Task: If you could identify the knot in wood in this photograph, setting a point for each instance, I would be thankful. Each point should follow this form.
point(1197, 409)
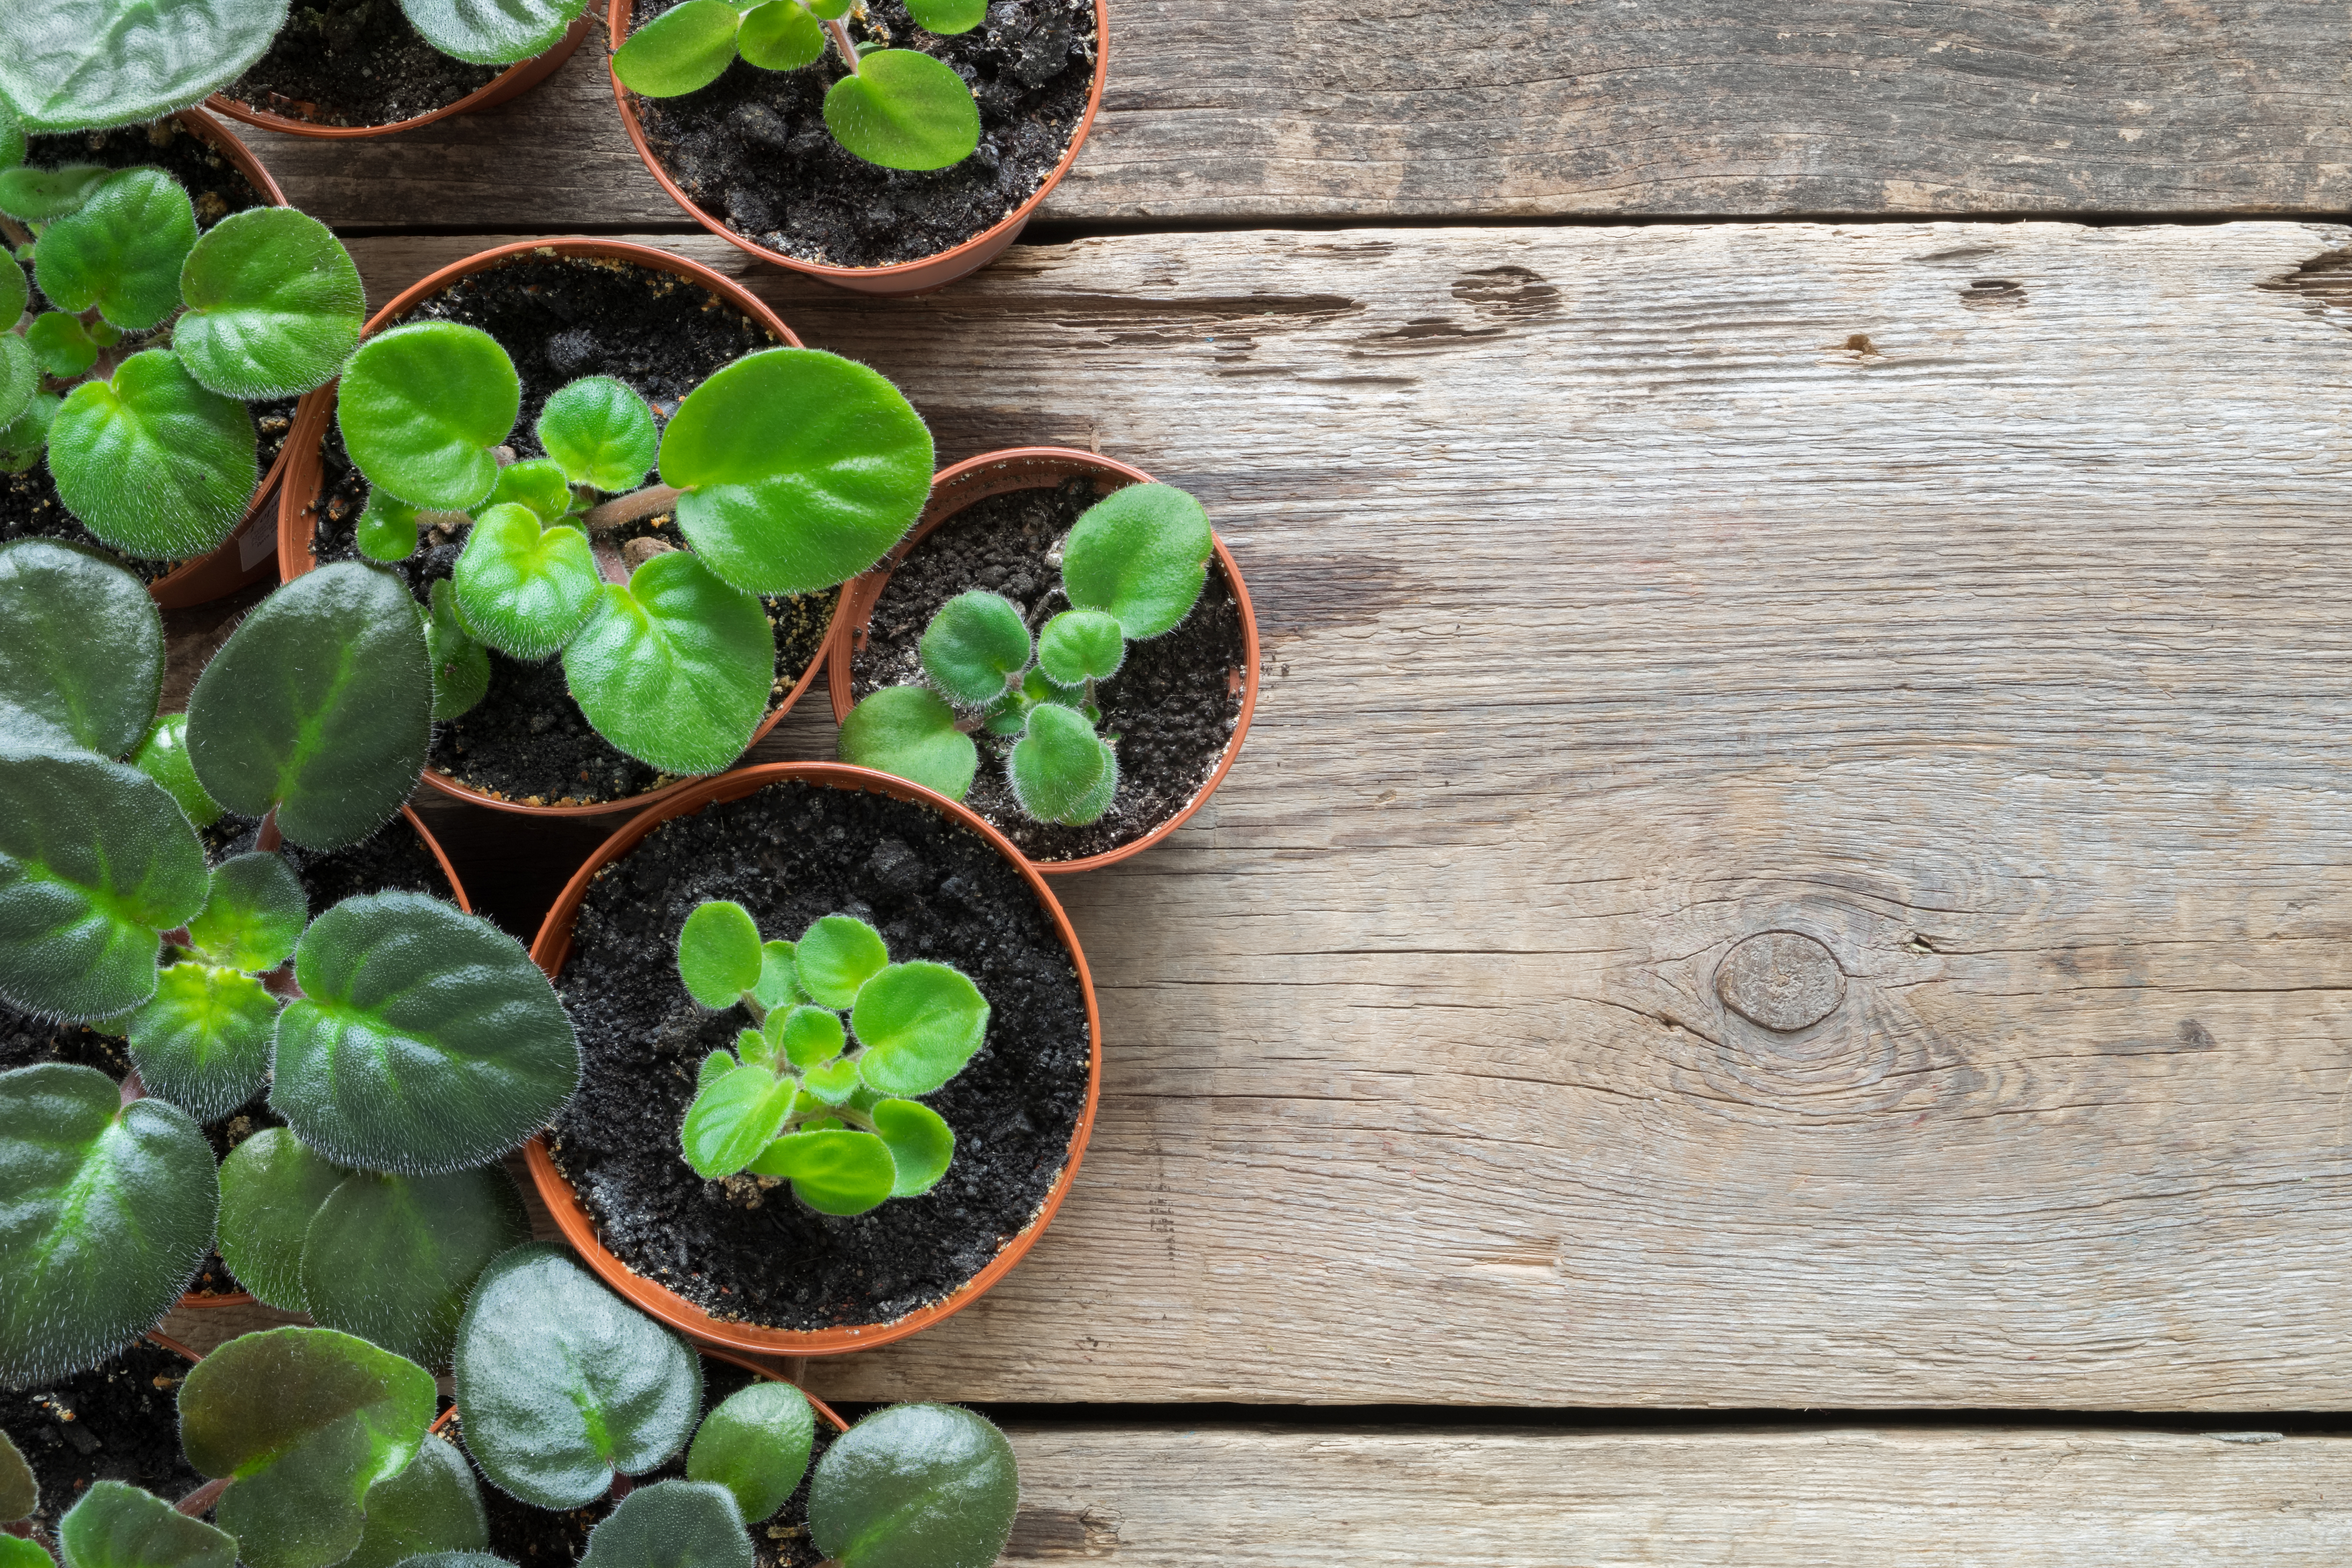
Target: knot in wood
point(1783, 980)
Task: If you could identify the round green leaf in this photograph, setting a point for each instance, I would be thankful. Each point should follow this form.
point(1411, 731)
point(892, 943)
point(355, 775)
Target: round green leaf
point(837, 954)
point(600, 432)
point(387, 528)
point(733, 1117)
point(120, 250)
point(254, 914)
point(80, 644)
point(911, 732)
point(271, 1188)
point(461, 666)
point(562, 1383)
point(491, 32)
point(69, 65)
point(116, 1525)
point(1057, 766)
point(537, 483)
point(756, 1444)
point(947, 16)
point(319, 704)
point(1089, 807)
point(834, 1083)
point(390, 1258)
point(37, 195)
point(105, 1211)
point(671, 1524)
point(163, 756)
point(922, 1145)
point(802, 468)
point(1141, 554)
point(306, 1420)
point(25, 438)
point(202, 1041)
point(781, 36)
point(836, 1171)
point(676, 668)
point(20, 375)
point(903, 110)
point(808, 1037)
point(1080, 645)
point(154, 463)
point(915, 1486)
point(432, 1506)
point(274, 305)
point(96, 862)
point(778, 981)
point(15, 1551)
point(683, 49)
point(920, 1024)
point(420, 408)
point(64, 348)
point(718, 955)
point(425, 1039)
point(753, 1046)
point(20, 1492)
point(525, 588)
point(974, 646)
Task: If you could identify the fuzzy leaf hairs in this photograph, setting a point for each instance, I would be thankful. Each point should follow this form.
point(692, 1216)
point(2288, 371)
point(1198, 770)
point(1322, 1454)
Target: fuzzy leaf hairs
point(1132, 568)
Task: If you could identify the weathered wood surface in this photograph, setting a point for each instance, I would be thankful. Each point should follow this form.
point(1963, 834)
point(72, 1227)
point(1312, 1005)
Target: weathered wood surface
point(1238, 110)
point(1969, 599)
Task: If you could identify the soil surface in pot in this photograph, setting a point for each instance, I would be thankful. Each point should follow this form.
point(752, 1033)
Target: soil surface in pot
point(119, 1421)
point(354, 62)
point(559, 319)
point(1173, 704)
point(29, 508)
point(752, 151)
point(744, 1247)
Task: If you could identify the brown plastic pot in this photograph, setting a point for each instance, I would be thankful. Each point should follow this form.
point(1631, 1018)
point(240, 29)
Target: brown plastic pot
point(899, 277)
point(512, 82)
point(1030, 468)
point(553, 945)
point(297, 501)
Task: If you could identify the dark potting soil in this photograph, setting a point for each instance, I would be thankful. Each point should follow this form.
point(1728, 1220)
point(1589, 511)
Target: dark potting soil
point(559, 319)
point(354, 62)
point(752, 151)
point(29, 508)
point(119, 1421)
point(1173, 706)
point(744, 1247)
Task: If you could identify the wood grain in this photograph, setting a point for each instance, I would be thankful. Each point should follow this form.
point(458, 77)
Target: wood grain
point(1239, 112)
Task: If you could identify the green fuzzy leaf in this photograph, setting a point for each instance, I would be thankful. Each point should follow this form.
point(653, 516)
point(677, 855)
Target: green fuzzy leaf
point(803, 468)
point(387, 528)
point(425, 1039)
point(254, 914)
point(903, 110)
point(81, 644)
point(920, 1024)
point(1079, 646)
point(11, 136)
point(25, 439)
point(455, 1560)
point(974, 647)
point(20, 376)
point(922, 1145)
point(600, 432)
point(96, 862)
point(116, 1525)
point(836, 1171)
point(732, 1119)
point(37, 195)
point(64, 348)
point(105, 1211)
point(715, 1066)
point(461, 666)
point(778, 981)
point(71, 65)
point(947, 17)
point(153, 462)
point(537, 483)
point(671, 1524)
point(306, 1420)
point(781, 36)
point(676, 668)
point(755, 1444)
point(808, 1037)
point(1090, 807)
point(390, 1258)
point(1141, 555)
point(271, 1188)
point(1058, 768)
point(915, 1486)
point(15, 1551)
point(718, 955)
point(911, 732)
point(432, 1506)
point(525, 588)
point(274, 305)
point(15, 293)
point(421, 407)
point(829, 10)
point(202, 1041)
point(120, 250)
point(20, 1493)
point(680, 51)
point(753, 1047)
point(492, 32)
point(834, 1083)
point(562, 1383)
point(835, 956)
point(321, 704)
point(163, 756)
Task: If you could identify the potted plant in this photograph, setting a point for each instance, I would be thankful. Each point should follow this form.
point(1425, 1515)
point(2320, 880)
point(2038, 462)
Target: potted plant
point(743, 1261)
point(1089, 708)
point(889, 148)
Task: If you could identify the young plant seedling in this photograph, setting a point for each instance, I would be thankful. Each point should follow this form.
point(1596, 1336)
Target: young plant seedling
point(788, 471)
point(798, 1098)
point(902, 108)
point(1132, 568)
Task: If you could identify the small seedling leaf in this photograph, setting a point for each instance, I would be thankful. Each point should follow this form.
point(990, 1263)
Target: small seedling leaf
point(754, 1047)
point(718, 955)
point(390, 1258)
point(20, 1493)
point(732, 1119)
point(922, 1144)
point(432, 1506)
point(1141, 554)
point(779, 983)
point(947, 17)
point(37, 195)
point(911, 732)
point(64, 348)
point(680, 51)
point(537, 483)
point(835, 956)
point(491, 32)
point(920, 1024)
point(80, 644)
point(715, 1066)
point(808, 1037)
point(903, 110)
point(781, 36)
point(1081, 645)
point(675, 669)
point(117, 1525)
point(755, 1444)
point(120, 250)
point(671, 1524)
point(974, 647)
point(271, 1189)
point(202, 1041)
point(833, 1082)
point(153, 462)
point(915, 1486)
point(523, 587)
point(274, 305)
point(69, 65)
point(163, 756)
point(387, 528)
point(1058, 766)
point(421, 407)
point(254, 914)
point(461, 666)
point(835, 1171)
point(600, 432)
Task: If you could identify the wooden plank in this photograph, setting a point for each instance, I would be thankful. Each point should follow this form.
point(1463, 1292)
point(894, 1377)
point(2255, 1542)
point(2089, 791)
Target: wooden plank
point(1235, 112)
point(1967, 598)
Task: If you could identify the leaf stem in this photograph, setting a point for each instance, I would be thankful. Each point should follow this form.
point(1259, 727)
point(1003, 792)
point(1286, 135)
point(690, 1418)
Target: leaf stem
point(267, 837)
point(281, 982)
point(133, 1087)
point(195, 1504)
point(840, 32)
point(16, 232)
point(622, 1486)
point(649, 502)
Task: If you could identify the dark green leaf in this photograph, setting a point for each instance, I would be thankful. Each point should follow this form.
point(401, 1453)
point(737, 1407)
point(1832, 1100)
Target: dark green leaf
point(15, 293)
point(837, 955)
point(756, 1444)
point(1058, 768)
point(20, 376)
point(683, 49)
point(36, 195)
point(903, 110)
point(676, 668)
point(732, 1118)
point(911, 732)
point(523, 587)
point(432, 1506)
point(920, 1024)
point(11, 136)
point(601, 433)
point(461, 666)
point(116, 1525)
point(781, 36)
point(68, 65)
point(947, 16)
point(274, 305)
point(420, 408)
point(1079, 646)
point(718, 955)
point(671, 1524)
point(834, 1172)
point(922, 1145)
point(390, 1257)
point(120, 250)
point(974, 646)
point(387, 528)
point(57, 340)
point(163, 756)
point(152, 461)
point(539, 484)
point(915, 1486)
point(202, 1041)
point(80, 643)
point(1141, 554)
point(26, 437)
point(254, 914)
point(271, 1189)
point(491, 32)
point(20, 1494)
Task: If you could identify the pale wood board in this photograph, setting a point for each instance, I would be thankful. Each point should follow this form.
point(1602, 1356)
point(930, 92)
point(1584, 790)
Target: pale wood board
point(1236, 111)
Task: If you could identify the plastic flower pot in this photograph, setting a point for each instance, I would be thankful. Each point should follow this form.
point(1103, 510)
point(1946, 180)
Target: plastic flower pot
point(1029, 468)
point(553, 946)
point(899, 277)
point(512, 82)
point(298, 499)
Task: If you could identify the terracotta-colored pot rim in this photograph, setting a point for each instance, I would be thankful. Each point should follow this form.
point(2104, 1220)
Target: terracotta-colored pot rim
point(553, 946)
point(825, 1413)
point(158, 1337)
point(299, 498)
point(860, 595)
point(989, 243)
point(512, 82)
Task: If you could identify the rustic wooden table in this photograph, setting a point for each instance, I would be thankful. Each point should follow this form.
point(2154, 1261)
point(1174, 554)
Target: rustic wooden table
point(1871, 470)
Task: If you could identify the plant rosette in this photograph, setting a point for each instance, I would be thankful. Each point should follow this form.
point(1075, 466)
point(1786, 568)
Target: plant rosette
point(555, 732)
point(755, 1260)
point(1179, 696)
point(889, 147)
point(297, 109)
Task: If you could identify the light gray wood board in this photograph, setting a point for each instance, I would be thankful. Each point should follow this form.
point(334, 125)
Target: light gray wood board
point(1617, 611)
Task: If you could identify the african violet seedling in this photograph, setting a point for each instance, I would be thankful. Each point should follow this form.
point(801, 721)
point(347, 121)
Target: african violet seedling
point(799, 1099)
point(1132, 568)
point(902, 108)
point(788, 471)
